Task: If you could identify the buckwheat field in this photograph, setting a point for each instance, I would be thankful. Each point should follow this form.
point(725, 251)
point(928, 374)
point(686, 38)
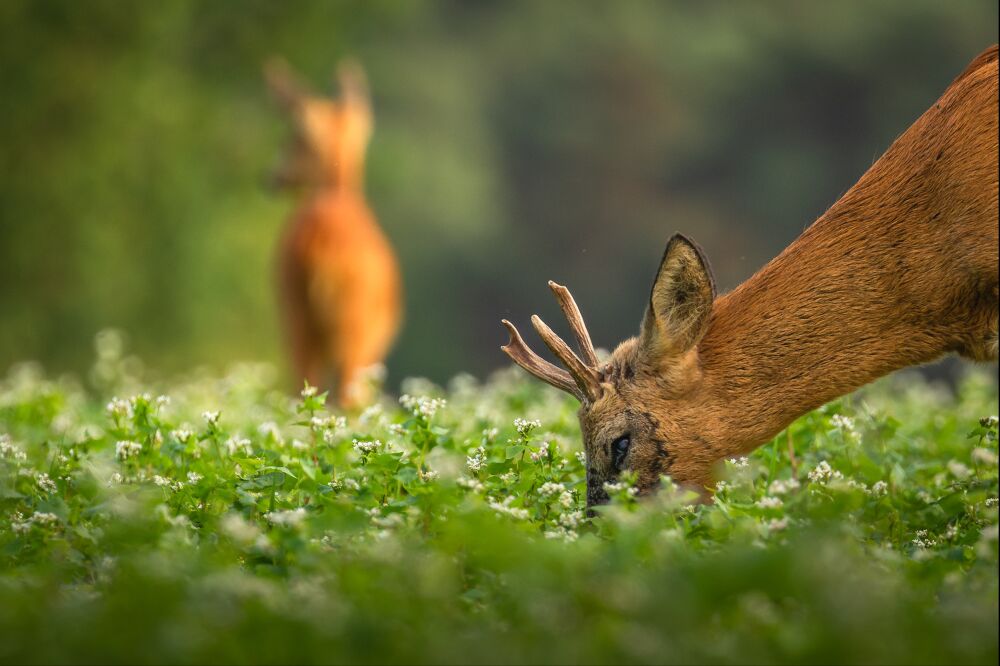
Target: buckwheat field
point(215, 518)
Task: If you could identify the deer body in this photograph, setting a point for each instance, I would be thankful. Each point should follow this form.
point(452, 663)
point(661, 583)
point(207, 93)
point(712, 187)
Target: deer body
point(338, 275)
point(901, 270)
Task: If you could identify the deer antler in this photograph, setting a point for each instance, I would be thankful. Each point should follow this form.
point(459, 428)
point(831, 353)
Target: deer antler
point(575, 320)
point(521, 354)
point(582, 380)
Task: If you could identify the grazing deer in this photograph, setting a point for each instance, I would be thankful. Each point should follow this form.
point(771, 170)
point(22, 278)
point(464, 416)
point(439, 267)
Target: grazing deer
point(901, 270)
point(339, 279)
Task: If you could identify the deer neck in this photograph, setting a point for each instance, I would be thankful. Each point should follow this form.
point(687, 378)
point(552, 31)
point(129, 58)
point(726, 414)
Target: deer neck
point(828, 315)
point(346, 175)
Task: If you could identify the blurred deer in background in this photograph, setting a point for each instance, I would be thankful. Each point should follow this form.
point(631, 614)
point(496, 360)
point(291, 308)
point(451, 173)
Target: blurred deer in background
point(339, 280)
point(901, 270)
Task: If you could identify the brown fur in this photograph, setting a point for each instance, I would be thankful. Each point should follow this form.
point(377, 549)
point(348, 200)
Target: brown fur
point(898, 272)
point(338, 276)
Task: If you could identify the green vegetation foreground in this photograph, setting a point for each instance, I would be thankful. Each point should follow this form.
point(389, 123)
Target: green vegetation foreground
point(216, 519)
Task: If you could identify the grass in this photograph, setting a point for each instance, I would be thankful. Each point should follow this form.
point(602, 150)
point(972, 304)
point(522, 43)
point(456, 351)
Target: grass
point(228, 522)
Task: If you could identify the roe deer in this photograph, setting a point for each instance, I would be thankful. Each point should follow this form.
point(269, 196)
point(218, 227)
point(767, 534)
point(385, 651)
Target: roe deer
point(900, 270)
point(339, 279)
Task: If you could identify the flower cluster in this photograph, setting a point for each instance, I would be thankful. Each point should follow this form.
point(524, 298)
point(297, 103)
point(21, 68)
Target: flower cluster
point(524, 426)
point(422, 405)
point(125, 449)
point(823, 473)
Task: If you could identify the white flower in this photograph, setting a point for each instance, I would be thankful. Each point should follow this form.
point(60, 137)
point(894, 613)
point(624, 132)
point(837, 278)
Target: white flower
point(541, 454)
point(474, 485)
point(477, 460)
point(422, 406)
point(508, 477)
point(320, 422)
point(289, 518)
point(45, 483)
point(581, 457)
point(125, 449)
point(739, 463)
point(858, 485)
point(844, 423)
point(566, 499)
point(269, 428)
point(365, 447)
point(548, 488)
point(10, 450)
point(235, 444)
point(181, 434)
point(824, 473)
point(120, 408)
point(922, 541)
point(194, 477)
point(504, 508)
point(991, 501)
point(988, 422)
point(571, 519)
point(351, 484)
point(490, 434)
point(162, 401)
point(371, 413)
point(239, 529)
point(308, 391)
point(769, 502)
point(879, 488)
point(783, 487)
point(524, 426)
point(777, 524)
point(211, 418)
point(614, 488)
point(982, 456)
point(161, 481)
point(428, 475)
point(958, 470)
point(38, 518)
point(561, 533)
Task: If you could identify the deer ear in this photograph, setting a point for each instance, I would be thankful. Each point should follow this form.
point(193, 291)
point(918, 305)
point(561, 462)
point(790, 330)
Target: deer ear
point(680, 303)
point(354, 85)
point(283, 82)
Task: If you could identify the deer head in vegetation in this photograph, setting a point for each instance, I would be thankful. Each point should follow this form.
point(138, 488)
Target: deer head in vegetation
point(644, 410)
point(901, 270)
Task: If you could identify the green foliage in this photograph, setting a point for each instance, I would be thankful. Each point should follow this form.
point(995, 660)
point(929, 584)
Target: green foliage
point(223, 521)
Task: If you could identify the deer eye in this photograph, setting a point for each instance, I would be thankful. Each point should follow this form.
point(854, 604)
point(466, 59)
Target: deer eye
point(619, 449)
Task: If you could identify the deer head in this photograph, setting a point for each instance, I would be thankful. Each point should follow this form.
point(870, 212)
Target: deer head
point(901, 270)
point(641, 411)
point(329, 135)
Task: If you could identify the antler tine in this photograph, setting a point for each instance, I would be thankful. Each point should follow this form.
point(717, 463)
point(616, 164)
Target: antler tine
point(585, 376)
point(521, 354)
point(576, 324)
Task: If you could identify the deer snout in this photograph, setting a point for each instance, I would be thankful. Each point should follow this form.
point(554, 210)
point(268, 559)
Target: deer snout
point(596, 494)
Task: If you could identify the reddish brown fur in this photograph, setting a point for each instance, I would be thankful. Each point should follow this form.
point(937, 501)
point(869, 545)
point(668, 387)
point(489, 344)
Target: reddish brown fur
point(338, 276)
point(898, 272)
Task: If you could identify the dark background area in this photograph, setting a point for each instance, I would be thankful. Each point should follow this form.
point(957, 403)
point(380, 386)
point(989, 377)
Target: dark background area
point(515, 142)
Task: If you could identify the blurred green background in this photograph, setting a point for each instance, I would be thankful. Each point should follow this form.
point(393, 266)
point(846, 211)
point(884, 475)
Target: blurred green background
point(515, 142)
